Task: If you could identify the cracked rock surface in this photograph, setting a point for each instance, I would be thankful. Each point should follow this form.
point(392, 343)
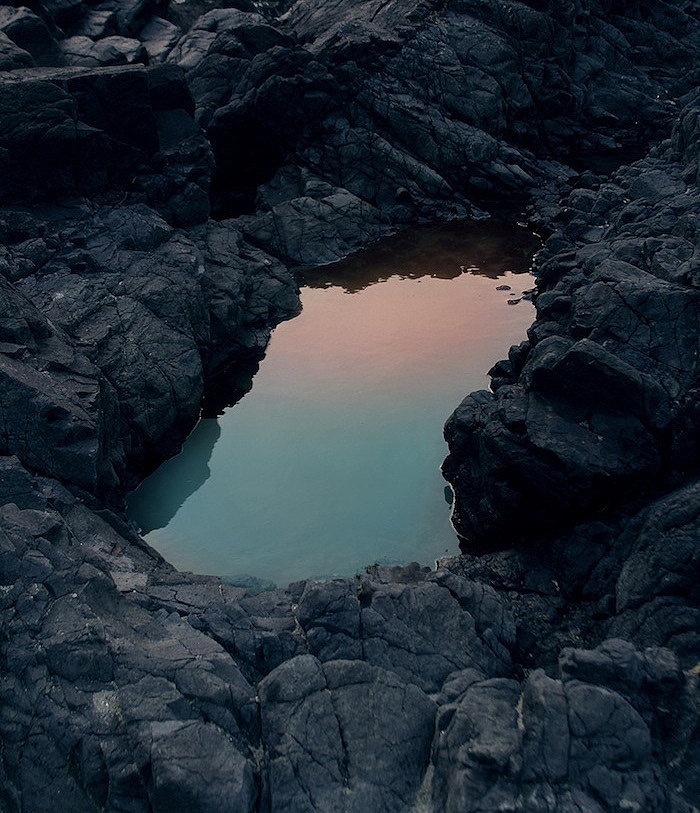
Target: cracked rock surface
point(128, 685)
point(556, 670)
point(600, 405)
point(586, 450)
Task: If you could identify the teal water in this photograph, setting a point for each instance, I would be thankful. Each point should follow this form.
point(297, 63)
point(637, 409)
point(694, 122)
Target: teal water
point(332, 460)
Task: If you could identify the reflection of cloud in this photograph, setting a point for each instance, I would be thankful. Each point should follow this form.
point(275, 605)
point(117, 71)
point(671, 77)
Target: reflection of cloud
point(486, 248)
point(156, 501)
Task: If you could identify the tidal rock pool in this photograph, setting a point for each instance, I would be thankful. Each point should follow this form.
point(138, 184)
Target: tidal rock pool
point(332, 460)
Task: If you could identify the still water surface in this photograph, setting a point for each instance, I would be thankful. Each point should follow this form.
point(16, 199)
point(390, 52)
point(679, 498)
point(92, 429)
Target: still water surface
point(332, 461)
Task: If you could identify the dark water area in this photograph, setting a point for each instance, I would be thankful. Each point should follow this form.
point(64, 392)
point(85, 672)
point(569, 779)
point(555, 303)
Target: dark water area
point(332, 461)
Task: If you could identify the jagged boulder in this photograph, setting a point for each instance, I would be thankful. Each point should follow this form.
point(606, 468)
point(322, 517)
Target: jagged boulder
point(602, 403)
point(104, 131)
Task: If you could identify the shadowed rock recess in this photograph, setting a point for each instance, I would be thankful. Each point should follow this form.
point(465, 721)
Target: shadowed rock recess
point(163, 170)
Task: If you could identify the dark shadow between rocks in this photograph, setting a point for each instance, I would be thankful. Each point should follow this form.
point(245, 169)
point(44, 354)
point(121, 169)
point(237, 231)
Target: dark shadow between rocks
point(247, 155)
point(176, 479)
point(228, 385)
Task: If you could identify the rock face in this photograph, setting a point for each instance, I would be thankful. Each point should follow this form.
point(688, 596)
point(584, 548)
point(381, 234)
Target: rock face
point(414, 110)
point(128, 684)
point(596, 416)
point(601, 403)
point(146, 339)
point(104, 133)
point(556, 672)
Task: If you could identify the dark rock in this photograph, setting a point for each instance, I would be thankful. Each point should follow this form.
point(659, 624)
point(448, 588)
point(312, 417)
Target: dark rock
point(143, 708)
point(185, 15)
point(441, 108)
point(423, 630)
point(126, 685)
point(112, 50)
point(159, 37)
point(131, 15)
point(97, 23)
point(52, 422)
point(477, 746)
point(156, 324)
point(12, 56)
point(30, 33)
point(343, 736)
point(184, 752)
point(38, 136)
point(100, 132)
point(307, 230)
point(655, 595)
point(548, 745)
point(602, 407)
point(60, 13)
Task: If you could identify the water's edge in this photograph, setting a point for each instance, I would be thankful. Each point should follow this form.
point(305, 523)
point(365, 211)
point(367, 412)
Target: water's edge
point(360, 381)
